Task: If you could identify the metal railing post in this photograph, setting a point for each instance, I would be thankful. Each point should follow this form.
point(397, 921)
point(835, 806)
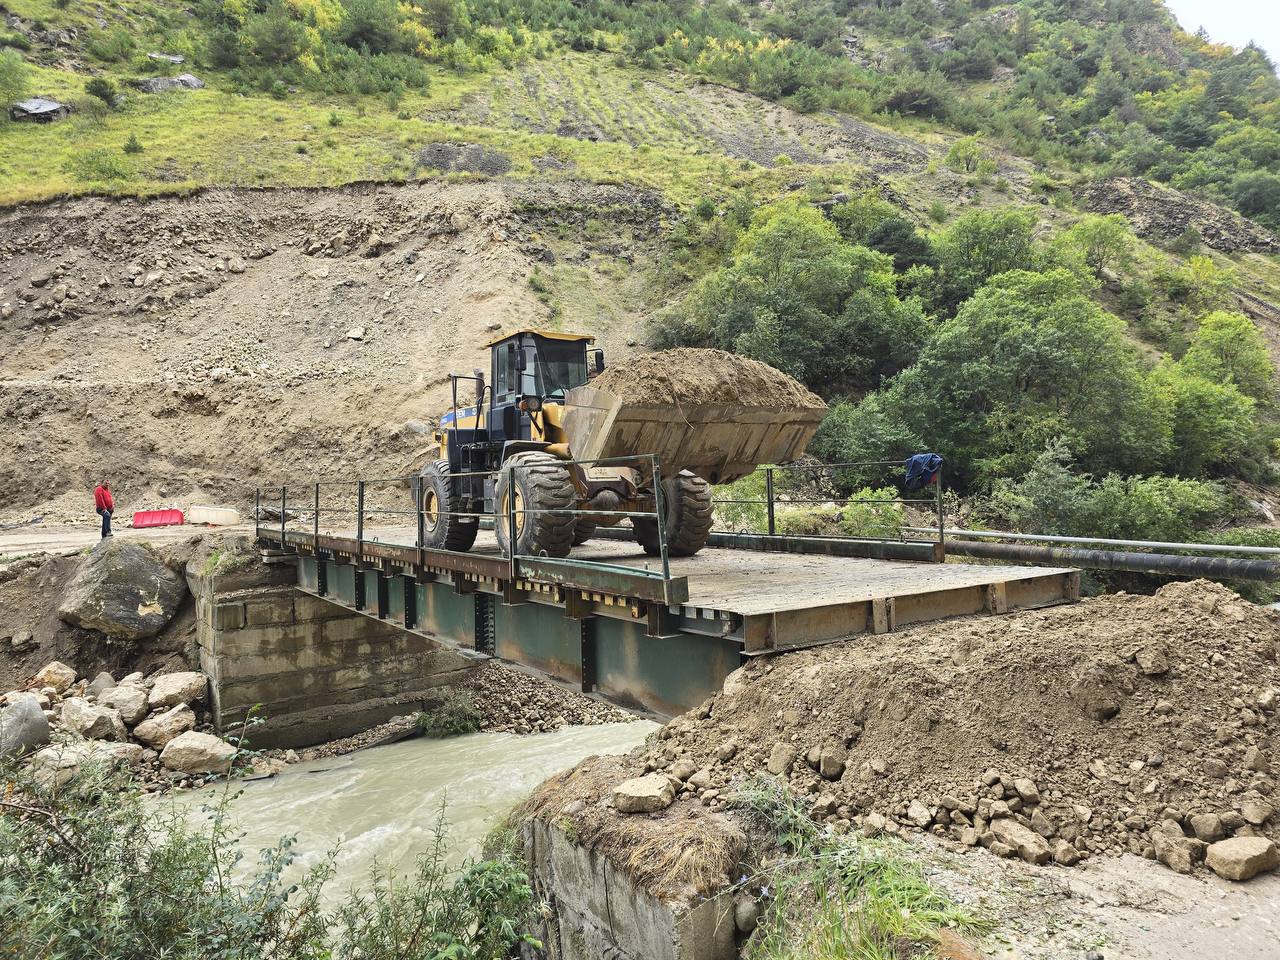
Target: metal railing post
point(359, 519)
point(315, 525)
point(768, 492)
point(420, 516)
point(660, 514)
point(257, 512)
point(284, 500)
point(942, 526)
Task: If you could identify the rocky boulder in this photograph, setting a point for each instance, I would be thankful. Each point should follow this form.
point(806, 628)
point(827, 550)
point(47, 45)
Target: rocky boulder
point(193, 752)
point(174, 688)
point(57, 675)
point(1030, 846)
point(645, 794)
point(93, 722)
point(1242, 858)
point(101, 682)
point(157, 730)
point(23, 726)
point(56, 766)
point(131, 701)
point(124, 591)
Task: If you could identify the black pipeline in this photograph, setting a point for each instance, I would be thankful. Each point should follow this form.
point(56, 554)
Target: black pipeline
point(1226, 568)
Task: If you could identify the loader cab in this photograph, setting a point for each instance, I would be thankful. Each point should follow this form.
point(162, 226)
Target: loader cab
point(534, 368)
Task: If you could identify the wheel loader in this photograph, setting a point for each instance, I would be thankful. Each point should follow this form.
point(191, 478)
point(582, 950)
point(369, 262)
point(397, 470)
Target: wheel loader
point(531, 442)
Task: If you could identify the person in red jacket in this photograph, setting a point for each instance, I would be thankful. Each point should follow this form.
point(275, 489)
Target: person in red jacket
point(104, 506)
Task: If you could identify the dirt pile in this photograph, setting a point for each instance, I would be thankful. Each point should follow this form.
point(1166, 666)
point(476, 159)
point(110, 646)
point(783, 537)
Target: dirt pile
point(691, 376)
point(1126, 723)
point(513, 702)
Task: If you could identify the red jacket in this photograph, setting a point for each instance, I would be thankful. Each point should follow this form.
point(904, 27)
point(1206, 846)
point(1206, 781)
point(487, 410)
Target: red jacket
point(102, 499)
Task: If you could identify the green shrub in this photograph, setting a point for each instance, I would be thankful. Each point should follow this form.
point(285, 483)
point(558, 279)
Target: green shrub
point(132, 145)
point(875, 516)
point(96, 869)
point(114, 46)
point(98, 165)
point(102, 88)
point(455, 715)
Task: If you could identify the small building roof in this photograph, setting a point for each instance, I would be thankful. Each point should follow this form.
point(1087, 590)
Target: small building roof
point(39, 105)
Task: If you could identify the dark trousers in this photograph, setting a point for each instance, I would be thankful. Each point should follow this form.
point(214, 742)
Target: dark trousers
point(106, 522)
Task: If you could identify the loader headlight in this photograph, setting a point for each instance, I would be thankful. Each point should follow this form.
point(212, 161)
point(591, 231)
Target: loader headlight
point(532, 404)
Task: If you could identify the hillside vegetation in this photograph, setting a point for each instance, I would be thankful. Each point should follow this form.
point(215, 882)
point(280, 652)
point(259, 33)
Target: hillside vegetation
point(1012, 233)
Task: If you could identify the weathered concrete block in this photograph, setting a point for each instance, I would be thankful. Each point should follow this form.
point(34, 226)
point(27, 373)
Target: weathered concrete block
point(225, 616)
point(601, 911)
point(275, 607)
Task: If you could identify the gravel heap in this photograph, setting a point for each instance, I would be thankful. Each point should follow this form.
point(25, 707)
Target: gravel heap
point(513, 702)
point(1126, 723)
point(690, 376)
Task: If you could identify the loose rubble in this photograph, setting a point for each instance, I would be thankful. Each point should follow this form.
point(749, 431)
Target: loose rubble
point(1121, 724)
point(147, 724)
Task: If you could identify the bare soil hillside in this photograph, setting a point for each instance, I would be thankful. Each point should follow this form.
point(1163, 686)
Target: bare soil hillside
point(193, 347)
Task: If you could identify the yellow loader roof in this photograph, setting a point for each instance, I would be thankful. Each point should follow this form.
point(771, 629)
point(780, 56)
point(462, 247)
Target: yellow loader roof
point(549, 334)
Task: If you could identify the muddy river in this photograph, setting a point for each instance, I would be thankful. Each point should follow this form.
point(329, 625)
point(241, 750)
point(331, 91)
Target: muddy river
point(383, 803)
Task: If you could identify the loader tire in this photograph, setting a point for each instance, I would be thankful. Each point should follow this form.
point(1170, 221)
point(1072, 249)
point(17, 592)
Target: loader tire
point(541, 483)
point(688, 504)
point(441, 530)
point(583, 531)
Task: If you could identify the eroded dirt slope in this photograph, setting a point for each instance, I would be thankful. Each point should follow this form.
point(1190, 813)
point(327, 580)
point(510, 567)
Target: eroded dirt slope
point(193, 347)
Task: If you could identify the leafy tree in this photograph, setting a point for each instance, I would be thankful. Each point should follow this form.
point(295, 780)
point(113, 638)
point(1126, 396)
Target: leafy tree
point(274, 38)
point(14, 79)
point(982, 244)
point(1257, 195)
point(1228, 348)
point(372, 24)
point(1213, 423)
point(1030, 358)
point(861, 214)
point(899, 238)
point(797, 296)
point(1105, 242)
point(966, 154)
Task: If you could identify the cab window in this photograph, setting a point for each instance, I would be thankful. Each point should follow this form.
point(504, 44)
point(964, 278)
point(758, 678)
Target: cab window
point(504, 376)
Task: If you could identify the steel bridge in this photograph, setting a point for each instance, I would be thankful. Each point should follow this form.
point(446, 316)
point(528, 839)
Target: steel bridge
point(657, 634)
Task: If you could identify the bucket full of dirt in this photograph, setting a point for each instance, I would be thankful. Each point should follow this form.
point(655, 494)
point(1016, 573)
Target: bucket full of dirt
point(707, 411)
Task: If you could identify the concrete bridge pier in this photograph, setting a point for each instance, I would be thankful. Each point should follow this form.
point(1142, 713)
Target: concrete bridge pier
point(313, 670)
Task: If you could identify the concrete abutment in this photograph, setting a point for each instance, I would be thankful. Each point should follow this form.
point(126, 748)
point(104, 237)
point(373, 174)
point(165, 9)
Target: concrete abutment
point(313, 670)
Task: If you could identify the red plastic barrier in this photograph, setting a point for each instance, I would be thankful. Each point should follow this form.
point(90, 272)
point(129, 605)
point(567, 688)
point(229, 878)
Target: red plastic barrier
point(158, 518)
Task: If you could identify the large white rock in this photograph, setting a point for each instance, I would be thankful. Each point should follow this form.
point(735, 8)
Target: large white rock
point(156, 731)
point(1242, 858)
point(193, 752)
point(93, 722)
point(131, 701)
point(57, 675)
point(57, 765)
point(123, 590)
point(644, 794)
point(1031, 847)
point(173, 688)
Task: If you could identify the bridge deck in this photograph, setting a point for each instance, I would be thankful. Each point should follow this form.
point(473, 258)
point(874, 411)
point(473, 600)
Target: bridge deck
point(786, 599)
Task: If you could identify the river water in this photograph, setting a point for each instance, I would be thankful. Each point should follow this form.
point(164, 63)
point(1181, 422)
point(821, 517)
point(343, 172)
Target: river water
point(383, 803)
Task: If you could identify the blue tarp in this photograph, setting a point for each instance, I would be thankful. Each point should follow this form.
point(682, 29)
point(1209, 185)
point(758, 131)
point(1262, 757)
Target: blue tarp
point(922, 470)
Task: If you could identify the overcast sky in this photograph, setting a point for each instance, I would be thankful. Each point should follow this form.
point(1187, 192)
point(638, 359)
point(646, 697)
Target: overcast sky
point(1233, 21)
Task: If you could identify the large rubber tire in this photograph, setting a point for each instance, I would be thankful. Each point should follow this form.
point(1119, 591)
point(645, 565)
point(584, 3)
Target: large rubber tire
point(541, 483)
point(440, 529)
point(583, 530)
point(688, 517)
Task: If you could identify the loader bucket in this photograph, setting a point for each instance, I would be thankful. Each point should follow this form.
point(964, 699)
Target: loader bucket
point(718, 442)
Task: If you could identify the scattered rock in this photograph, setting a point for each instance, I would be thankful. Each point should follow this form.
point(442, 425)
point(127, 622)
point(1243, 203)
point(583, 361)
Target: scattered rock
point(1208, 827)
point(101, 682)
point(919, 814)
point(1178, 853)
point(23, 726)
point(174, 688)
point(131, 701)
point(746, 913)
point(159, 729)
point(1242, 858)
point(646, 794)
point(1030, 846)
point(781, 759)
point(93, 722)
point(57, 675)
point(193, 752)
